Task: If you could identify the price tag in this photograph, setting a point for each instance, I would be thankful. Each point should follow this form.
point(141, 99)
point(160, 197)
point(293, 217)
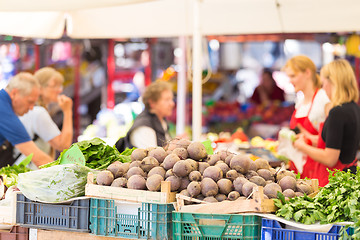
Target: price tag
point(73, 156)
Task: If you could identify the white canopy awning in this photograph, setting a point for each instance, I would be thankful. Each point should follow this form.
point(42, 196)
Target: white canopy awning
point(171, 18)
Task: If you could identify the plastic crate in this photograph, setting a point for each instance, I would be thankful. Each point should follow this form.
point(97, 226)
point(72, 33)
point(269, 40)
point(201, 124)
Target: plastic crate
point(153, 220)
point(72, 217)
point(202, 226)
point(15, 233)
point(273, 230)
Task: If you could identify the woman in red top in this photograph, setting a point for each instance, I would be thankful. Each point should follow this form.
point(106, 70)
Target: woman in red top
point(340, 135)
point(310, 107)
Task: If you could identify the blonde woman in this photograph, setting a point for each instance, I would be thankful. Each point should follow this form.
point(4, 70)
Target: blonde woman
point(38, 121)
point(310, 106)
point(340, 135)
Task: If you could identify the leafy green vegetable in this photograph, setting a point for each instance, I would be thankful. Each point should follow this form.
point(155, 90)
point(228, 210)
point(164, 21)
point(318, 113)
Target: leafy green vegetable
point(98, 154)
point(10, 173)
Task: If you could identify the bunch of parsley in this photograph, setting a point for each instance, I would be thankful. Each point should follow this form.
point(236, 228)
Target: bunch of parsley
point(338, 201)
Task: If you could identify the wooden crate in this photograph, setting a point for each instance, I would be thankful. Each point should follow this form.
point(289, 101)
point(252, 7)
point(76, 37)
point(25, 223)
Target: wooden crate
point(117, 193)
point(256, 205)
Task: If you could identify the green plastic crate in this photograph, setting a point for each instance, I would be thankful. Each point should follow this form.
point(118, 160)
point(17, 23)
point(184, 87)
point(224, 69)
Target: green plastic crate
point(153, 220)
point(202, 226)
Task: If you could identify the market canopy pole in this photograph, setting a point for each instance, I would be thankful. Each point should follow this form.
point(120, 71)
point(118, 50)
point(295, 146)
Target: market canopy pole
point(181, 89)
point(197, 75)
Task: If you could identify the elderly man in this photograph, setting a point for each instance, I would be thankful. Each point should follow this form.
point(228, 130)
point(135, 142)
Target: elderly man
point(16, 99)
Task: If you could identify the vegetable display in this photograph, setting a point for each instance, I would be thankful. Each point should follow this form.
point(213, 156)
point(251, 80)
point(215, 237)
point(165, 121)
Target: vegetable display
point(10, 173)
point(194, 173)
point(338, 201)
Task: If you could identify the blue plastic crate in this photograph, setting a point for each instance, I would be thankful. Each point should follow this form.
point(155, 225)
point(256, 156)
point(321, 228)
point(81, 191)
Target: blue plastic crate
point(153, 221)
point(272, 230)
point(203, 226)
point(73, 217)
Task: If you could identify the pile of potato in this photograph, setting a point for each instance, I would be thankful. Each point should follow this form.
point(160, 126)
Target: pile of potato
point(213, 178)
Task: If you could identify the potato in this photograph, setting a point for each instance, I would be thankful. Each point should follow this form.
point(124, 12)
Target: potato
point(232, 175)
point(119, 182)
point(153, 183)
point(288, 182)
point(220, 197)
point(223, 166)
point(253, 166)
point(197, 151)
point(104, 178)
point(272, 189)
point(228, 159)
point(283, 173)
point(182, 168)
point(299, 194)
point(213, 172)
point(194, 164)
point(170, 161)
point(210, 199)
point(248, 188)
point(175, 182)
point(203, 166)
point(135, 171)
point(251, 174)
point(158, 153)
point(184, 183)
point(148, 163)
point(209, 187)
point(181, 153)
point(176, 142)
point(118, 169)
point(169, 173)
point(194, 188)
point(187, 194)
point(213, 159)
point(289, 193)
point(195, 176)
point(303, 187)
point(136, 182)
point(224, 154)
point(138, 154)
point(232, 196)
point(225, 186)
point(135, 164)
point(258, 180)
point(240, 163)
point(262, 163)
point(265, 174)
point(157, 170)
point(238, 184)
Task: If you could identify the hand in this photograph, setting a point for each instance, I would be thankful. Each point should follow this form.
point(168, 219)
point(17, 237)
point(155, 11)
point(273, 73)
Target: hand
point(300, 141)
point(65, 103)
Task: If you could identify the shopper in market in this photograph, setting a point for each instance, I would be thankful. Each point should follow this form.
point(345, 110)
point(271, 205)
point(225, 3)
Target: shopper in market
point(310, 108)
point(19, 96)
point(340, 134)
point(38, 122)
point(150, 128)
point(267, 92)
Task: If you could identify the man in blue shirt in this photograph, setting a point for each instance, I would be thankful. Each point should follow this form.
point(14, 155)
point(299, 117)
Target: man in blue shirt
point(19, 96)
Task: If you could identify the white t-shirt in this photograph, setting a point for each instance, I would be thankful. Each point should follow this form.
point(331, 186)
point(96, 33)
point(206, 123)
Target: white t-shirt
point(144, 137)
point(38, 121)
point(317, 112)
